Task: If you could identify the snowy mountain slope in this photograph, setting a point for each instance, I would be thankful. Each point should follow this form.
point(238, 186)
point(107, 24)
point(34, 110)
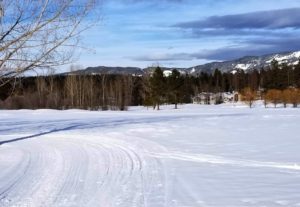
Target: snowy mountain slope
point(244, 63)
point(193, 156)
point(248, 62)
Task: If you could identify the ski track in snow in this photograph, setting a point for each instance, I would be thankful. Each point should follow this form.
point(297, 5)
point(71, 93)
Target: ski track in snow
point(140, 161)
point(80, 173)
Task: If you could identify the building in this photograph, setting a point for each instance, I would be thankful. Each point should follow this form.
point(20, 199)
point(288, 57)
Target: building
point(215, 98)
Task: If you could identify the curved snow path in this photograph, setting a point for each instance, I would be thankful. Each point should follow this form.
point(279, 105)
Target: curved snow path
point(66, 171)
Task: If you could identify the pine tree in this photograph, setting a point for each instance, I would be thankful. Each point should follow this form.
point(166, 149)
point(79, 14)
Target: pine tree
point(217, 79)
point(297, 74)
point(175, 81)
point(157, 87)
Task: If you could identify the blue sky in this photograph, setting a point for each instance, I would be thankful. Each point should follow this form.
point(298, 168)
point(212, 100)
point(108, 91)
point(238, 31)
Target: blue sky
point(185, 33)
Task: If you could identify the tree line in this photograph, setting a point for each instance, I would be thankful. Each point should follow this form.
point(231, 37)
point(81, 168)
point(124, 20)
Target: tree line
point(288, 96)
point(117, 92)
point(90, 92)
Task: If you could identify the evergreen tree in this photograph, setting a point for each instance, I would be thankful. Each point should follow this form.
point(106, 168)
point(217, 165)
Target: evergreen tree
point(254, 80)
point(297, 75)
point(175, 86)
point(217, 80)
point(157, 87)
point(275, 75)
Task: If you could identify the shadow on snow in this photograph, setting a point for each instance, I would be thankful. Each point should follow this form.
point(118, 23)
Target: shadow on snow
point(104, 124)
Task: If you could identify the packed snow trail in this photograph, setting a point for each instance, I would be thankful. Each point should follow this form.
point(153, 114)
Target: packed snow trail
point(194, 156)
point(68, 171)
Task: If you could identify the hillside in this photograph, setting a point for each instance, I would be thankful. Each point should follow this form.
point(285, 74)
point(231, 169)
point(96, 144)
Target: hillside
point(246, 63)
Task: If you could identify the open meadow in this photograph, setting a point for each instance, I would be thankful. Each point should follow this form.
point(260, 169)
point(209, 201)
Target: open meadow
point(225, 155)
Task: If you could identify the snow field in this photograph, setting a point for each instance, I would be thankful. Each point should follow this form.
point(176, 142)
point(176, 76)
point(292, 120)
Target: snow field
point(195, 156)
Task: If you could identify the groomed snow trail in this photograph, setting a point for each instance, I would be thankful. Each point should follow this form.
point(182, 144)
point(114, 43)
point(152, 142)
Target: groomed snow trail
point(70, 171)
point(194, 156)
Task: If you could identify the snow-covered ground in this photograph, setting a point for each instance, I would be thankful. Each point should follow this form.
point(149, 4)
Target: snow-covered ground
point(194, 156)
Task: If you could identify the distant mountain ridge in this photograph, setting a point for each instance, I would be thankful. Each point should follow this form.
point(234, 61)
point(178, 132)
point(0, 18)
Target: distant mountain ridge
point(110, 70)
point(246, 63)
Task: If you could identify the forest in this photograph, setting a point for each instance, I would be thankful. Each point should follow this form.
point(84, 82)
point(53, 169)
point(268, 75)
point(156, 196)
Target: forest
point(277, 83)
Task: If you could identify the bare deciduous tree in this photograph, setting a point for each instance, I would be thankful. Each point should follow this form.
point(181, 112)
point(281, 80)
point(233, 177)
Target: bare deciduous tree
point(248, 96)
point(286, 96)
point(274, 96)
point(37, 34)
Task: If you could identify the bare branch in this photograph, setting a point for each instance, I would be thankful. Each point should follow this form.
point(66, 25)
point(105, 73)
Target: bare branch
point(36, 34)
